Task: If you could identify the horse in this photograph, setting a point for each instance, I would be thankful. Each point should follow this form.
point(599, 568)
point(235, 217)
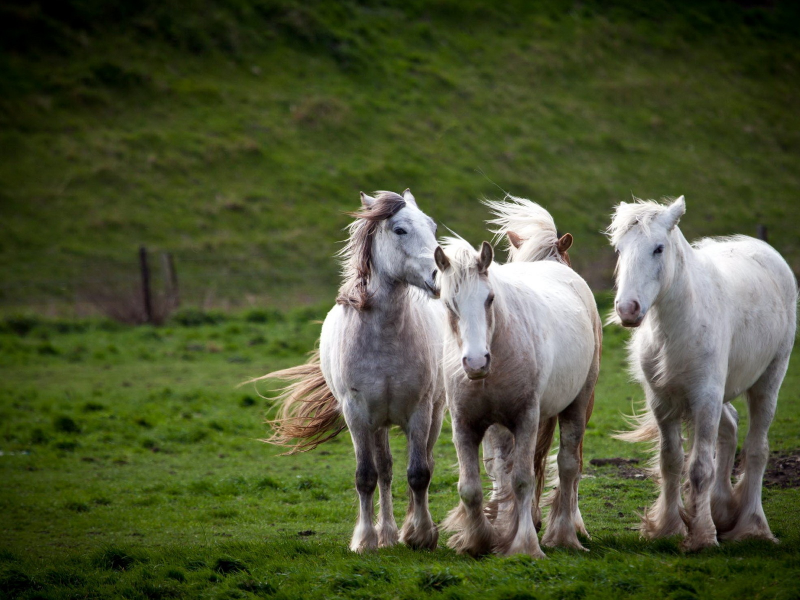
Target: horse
point(378, 365)
point(522, 347)
point(713, 320)
point(530, 233)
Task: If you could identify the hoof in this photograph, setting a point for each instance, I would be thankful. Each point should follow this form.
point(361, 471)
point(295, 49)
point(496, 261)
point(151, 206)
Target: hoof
point(421, 538)
point(364, 541)
point(387, 535)
point(695, 543)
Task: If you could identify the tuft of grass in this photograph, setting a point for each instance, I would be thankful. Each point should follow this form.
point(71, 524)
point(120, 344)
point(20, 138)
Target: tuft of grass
point(115, 559)
point(225, 565)
point(66, 424)
point(436, 580)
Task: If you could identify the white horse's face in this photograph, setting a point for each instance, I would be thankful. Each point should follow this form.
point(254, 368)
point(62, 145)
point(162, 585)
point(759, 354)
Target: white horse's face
point(645, 265)
point(404, 245)
point(471, 312)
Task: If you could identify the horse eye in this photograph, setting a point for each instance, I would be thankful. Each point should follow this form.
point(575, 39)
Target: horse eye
point(659, 249)
point(489, 300)
point(400, 231)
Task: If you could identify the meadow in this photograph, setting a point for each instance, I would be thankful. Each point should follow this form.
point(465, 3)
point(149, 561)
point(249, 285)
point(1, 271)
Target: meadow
point(234, 134)
point(132, 467)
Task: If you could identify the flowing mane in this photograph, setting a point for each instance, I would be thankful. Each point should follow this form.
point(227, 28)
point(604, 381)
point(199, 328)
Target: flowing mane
point(529, 221)
point(628, 215)
point(356, 256)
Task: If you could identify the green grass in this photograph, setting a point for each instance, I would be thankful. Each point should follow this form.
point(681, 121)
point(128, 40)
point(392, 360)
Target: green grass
point(236, 134)
point(131, 467)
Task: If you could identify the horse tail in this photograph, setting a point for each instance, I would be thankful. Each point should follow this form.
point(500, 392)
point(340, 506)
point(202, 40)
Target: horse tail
point(644, 428)
point(309, 413)
point(528, 229)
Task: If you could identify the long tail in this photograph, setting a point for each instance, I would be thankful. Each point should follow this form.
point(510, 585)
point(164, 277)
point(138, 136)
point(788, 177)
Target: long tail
point(309, 414)
point(527, 227)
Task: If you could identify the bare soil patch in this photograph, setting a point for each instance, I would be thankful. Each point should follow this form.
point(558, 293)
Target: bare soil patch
point(783, 471)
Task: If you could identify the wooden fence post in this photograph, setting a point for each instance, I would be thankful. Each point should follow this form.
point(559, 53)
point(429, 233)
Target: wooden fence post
point(148, 301)
point(170, 279)
point(761, 232)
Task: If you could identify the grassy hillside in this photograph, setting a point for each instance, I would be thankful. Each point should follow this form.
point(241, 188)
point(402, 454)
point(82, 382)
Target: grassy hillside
point(235, 134)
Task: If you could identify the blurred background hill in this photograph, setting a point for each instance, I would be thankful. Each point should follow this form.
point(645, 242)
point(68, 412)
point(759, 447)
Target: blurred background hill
point(234, 134)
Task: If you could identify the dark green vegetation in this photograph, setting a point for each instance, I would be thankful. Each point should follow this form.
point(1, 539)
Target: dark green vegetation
point(131, 468)
point(236, 133)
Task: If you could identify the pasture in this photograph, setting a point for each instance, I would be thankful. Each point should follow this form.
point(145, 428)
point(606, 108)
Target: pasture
point(131, 467)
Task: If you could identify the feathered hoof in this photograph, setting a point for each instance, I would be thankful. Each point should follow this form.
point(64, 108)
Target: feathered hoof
point(364, 541)
point(387, 535)
point(521, 545)
point(420, 538)
point(654, 529)
point(753, 527)
point(562, 539)
point(699, 541)
point(468, 537)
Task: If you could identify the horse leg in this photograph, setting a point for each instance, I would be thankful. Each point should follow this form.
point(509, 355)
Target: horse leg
point(519, 533)
point(498, 443)
point(723, 508)
point(762, 399)
point(419, 530)
point(564, 519)
point(663, 519)
point(387, 528)
point(706, 414)
point(473, 534)
point(365, 537)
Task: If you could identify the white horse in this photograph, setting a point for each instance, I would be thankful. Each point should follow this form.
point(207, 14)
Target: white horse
point(523, 346)
point(531, 235)
point(378, 365)
point(715, 319)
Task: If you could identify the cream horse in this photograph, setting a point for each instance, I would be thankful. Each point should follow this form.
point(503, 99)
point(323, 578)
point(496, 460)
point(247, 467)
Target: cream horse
point(378, 365)
point(522, 347)
point(714, 320)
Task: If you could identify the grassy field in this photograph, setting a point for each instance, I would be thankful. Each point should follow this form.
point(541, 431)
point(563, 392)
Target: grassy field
point(235, 134)
point(131, 467)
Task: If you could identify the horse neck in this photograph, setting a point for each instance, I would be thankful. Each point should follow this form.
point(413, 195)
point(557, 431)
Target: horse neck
point(675, 306)
point(388, 298)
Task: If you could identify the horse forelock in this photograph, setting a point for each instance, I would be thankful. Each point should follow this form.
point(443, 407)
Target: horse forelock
point(628, 215)
point(463, 272)
point(356, 256)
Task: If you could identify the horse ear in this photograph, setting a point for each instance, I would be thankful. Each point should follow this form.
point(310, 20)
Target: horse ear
point(409, 197)
point(564, 243)
point(367, 201)
point(514, 239)
point(442, 262)
point(485, 257)
point(674, 213)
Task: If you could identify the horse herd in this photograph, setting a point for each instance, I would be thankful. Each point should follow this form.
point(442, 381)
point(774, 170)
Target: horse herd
point(514, 349)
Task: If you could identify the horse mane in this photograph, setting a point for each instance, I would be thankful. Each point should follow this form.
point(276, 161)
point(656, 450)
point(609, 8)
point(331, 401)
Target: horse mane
point(531, 222)
point(356, 256)
point(628, 215)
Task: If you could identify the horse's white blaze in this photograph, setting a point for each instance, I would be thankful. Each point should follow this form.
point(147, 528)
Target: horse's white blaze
point(717, 320)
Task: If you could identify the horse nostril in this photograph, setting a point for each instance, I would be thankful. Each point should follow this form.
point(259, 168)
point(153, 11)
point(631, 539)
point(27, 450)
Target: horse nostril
point(433, 275)
point(636, 307)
